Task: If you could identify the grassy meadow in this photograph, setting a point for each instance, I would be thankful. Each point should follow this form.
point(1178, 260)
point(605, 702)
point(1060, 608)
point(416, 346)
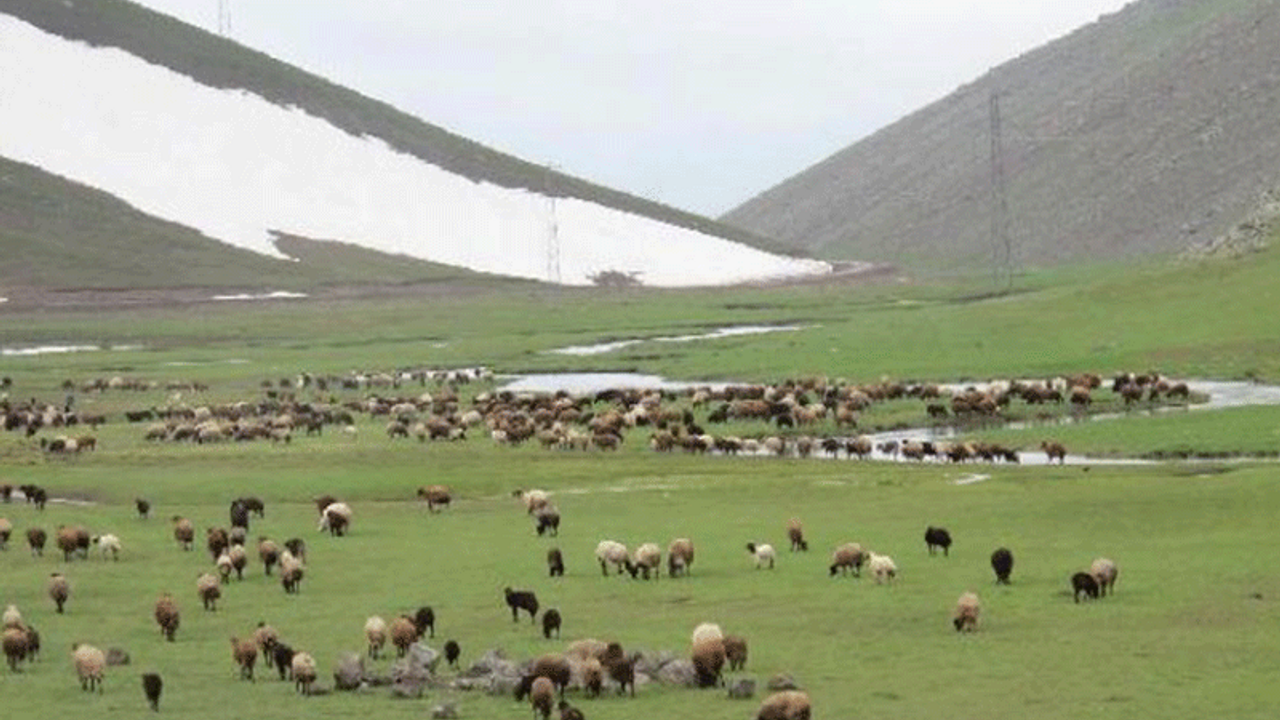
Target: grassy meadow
point(1189, 632)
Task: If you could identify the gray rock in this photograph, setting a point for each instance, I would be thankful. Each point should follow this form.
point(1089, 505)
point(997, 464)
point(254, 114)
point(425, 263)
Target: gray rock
point(418, 664)
point(782, 681)
point(116, 656)
point(492, 662)
point(445, 711)
point(408, 688)
point(742, 689)
point(502, 684)
point(348, 671)
point(679, 673)
point(650, 663)
point(468, 684)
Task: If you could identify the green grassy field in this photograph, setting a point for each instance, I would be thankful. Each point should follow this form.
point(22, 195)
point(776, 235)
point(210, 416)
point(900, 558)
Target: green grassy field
point(1187, 634)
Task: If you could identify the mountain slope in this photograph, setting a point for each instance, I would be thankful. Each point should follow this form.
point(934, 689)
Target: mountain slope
point(195, 130)
point(1151, 129)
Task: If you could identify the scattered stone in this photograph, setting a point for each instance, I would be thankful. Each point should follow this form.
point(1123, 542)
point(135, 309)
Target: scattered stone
point(678, 672)
point(782, 681)
point(445, 711)
point(742, 689)
point(116, 656)
point(348, 672)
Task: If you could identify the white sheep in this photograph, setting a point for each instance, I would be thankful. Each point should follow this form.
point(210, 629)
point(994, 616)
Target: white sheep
point(1105, 572)
point(882, 567)
point(533, 499)
point(764, 553)
point(706, 631)
point(610, 551)
point(375, 631)
point(12, 618)
point(965, 615)
point(335, 518)
point(90, 662)
point(648, 558)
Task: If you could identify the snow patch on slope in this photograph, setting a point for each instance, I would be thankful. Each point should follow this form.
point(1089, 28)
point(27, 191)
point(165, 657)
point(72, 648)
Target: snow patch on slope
point(234, 166)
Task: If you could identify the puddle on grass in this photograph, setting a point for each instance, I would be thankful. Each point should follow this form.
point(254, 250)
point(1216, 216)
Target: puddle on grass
point(277, 295)
point(608, 347)
point(59, 349)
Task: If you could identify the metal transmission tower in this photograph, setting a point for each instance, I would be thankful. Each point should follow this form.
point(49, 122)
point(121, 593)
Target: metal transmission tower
point(553, 229)
point(1001, 240)
point(224, 18)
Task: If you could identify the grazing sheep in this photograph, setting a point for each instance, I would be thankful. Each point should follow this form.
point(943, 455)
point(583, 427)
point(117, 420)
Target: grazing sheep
point(11, 618)
point(708, 661)
point(375, 631)
point(183, 531)
point(882, 568)
point(269, 553)
point(152, 686)
point(266, 638)
point(521, 600)
point(965, 615)
point(282, 656)
point(621, 667)
point(253, 505)
point(144, 509)
point(795, 532)
point(14, 642)
point(36, 538)
point(336, 519)
point(239, 558)
point(735, 651)
point(1002, 563)
point(848, 556)
point(223, 564)
point(763, 553)
point(59, 590)
point(6, 530)
point(291, 571)
point(679, 557)
point(1054, 450)
point(1105, 572)
point(936, 537)
point(245, 653)
point(554, 667)
point(785, 705)
point(217, 540)
point(323, 502)
point(569, 712)
point(424, 619)
point(207, 588)
point(166, 613)
point(548, 519)
point(706, 631)
point(592, 677)
point(587, 648)
point(451, 653)
point(541, 696)
point(555, 562)
point(550, 622)
point(89, 662)
point(435, 495)
point(1083, 582)
point(237, 536)
point(403, 634)
point(648, 558)
point(109, 545)
point(298, 547)
point(68, 541)
point(303, 667)
point(609, 551)
point(239, 515)
point(532, 499)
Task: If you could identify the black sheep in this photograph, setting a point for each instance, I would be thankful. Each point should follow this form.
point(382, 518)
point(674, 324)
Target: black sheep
point(254, 505)
point(1002, 563)
point(239, 515)
point(451, 653)
point(144, 511)
point(548, 521)
point(521, 600)
point(425, 619)
point(936, 537)
point(1083, 582)
point(555, 562)
point(569, 712)
point(550, 622)
point(282, 656)
point(152, 685)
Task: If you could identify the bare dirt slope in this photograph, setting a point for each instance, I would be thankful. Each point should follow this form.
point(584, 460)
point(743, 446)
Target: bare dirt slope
point(1152, 129)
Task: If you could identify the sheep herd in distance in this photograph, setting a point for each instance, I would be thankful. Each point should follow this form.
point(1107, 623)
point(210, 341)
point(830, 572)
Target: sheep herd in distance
point(602, 421)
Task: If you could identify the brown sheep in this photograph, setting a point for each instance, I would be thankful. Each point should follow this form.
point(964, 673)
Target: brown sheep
point(6, 530)
point(14, 641)
point(167, 617)
point(67, 541)
point(621, 667)
point(965, 615)
point(795, 532)
point(238, 559)
point(59, 590)
point(679, 557)
point(217, 540)
point(735, 651)
point(89, 662)
point(592, 677)
point(708, 661)
point(403, 634)
point(555, 667)
point(785, 705)
point(1054, 450)
point(267, 638)
point(541, 697)
point(269, 553)
point(245, 653)
point(36, 538)
point(183, 531)
point(435, 495)
point(207, 588)
point(848, 557)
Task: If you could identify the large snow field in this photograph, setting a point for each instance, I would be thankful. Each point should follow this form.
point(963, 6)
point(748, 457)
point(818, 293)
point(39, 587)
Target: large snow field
point(235, 167)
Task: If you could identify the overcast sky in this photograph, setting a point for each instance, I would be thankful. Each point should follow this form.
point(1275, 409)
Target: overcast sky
point(701, 104)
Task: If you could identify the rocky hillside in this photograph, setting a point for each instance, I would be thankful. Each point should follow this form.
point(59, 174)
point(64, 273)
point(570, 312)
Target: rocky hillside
point(1150, 130)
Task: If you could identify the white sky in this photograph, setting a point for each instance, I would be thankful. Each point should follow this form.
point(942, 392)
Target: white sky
point(697, 103)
